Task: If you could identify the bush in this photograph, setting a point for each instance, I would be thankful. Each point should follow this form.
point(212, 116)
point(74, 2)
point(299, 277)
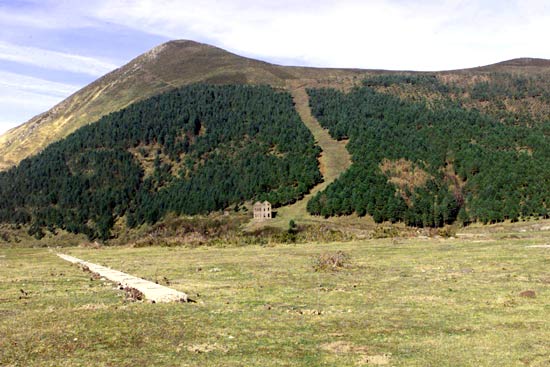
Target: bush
point(385, 232)
point(447, 231)
point(292, 227)
point(331, 261)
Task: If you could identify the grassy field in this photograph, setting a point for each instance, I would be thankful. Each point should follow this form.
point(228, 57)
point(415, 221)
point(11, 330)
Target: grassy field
point(399, 302)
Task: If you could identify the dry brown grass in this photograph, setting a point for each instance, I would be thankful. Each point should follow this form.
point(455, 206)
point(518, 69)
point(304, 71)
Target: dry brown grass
point(412, 93)
point(331, 261)
point(405, 175)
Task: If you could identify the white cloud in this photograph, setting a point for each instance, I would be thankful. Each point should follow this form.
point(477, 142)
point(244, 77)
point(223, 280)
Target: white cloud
point(11, 81)
point(54, 60)
point(20, 106)
point(23, 97)
point(46, 14)
point(392, 34)
point(386, 34)
point(371, 34)
point(6, 125)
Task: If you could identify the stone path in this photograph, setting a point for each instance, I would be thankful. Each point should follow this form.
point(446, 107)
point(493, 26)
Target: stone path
point(152, 291)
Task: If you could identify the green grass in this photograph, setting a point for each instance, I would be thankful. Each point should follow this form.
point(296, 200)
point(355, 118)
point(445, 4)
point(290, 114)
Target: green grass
point(408, 302)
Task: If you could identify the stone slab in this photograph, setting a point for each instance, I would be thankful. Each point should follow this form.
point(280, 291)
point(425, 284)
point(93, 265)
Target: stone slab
point(152, 291)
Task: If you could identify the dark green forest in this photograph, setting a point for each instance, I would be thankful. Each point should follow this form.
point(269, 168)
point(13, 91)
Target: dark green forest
point(193, 150)
point(480, 167)
point(518, 99)
point(425, 155)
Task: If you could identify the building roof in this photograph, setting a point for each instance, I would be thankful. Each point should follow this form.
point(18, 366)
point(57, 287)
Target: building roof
point(266, 205)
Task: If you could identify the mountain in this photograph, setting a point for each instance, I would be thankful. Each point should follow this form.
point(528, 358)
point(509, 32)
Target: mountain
point(428, 150)
point(520, 64)
point(193, 150)
point(168, 66)
point(191, 129)
point(178, 63)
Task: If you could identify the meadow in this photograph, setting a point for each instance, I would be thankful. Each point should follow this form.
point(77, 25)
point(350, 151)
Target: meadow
point(397, 302)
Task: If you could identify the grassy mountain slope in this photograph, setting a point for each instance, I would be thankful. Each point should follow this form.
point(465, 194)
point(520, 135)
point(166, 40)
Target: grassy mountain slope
point(414, 137)
point(165, 67)
point(178, 63)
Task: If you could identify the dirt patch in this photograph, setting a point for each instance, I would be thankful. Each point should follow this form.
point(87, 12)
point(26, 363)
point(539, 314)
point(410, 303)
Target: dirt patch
point(339, 347)
point(345, 347)
point(528, 294)
point(133, 294)
point(207, 348)
point(304, 311)
point(310, 312)
point(375, 360)
point(93, 275)
point(331, 261)
point(405, 175)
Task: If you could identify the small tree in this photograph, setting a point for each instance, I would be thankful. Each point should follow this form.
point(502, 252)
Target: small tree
point(292, 227)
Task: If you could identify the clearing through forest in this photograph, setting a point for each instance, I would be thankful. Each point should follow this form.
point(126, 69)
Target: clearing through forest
point(333, 161)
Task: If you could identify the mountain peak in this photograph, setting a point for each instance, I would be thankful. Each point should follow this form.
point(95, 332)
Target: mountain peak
point(171, 65)
point(526, 62)
point(177, 46)
point(167, 66)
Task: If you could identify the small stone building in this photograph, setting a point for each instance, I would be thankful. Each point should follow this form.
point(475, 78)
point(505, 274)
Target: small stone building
point(262, 211)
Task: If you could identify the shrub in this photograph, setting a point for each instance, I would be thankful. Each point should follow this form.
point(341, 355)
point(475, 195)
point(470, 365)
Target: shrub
point(331, 261)
point(385, 232)
point(447, 231)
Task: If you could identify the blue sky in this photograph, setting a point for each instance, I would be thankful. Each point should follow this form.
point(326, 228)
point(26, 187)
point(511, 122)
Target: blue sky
point(50, 49)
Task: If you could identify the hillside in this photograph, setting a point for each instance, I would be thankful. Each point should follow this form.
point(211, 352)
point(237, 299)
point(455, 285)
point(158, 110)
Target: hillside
point(193, 150)
point(170, 65)
point(178, 63)
point(523, 64)
point(435, 160)
point(190, 129)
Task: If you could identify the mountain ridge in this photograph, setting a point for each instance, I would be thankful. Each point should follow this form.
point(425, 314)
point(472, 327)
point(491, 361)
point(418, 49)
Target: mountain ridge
point(525, 61)
point(167, 66)
point(174, 64)
point(425, 149)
